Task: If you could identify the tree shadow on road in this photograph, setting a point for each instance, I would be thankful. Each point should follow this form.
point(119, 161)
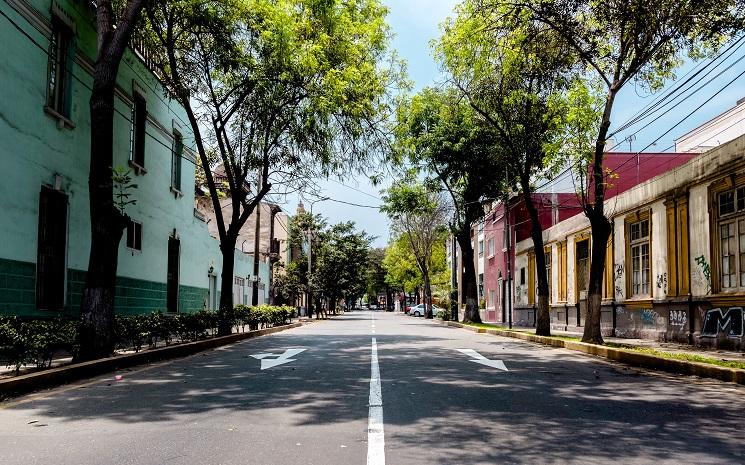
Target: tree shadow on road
point(551, 407)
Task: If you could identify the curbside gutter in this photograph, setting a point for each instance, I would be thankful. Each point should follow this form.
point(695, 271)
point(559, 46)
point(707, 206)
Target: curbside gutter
point(629, 357)
point(56, 376)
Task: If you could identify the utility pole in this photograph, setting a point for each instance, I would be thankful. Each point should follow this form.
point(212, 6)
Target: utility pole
point(453, 277)
point(274, 209)
point(257, 238)
point(508, 239)
point(311, 233)
point(309, 296)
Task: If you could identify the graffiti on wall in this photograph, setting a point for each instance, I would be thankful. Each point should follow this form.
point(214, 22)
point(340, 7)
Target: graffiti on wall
point(703, 274)
point(618, 278)
point(719, 321)
point(662, 282)
point(678, 318)
point(521, 293)
point(649, 317)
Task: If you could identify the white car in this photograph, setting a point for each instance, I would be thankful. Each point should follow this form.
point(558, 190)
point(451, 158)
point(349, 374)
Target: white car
point(418, 310)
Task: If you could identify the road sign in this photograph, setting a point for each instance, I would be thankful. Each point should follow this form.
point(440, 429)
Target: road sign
point(481, 360)
point(268, 362)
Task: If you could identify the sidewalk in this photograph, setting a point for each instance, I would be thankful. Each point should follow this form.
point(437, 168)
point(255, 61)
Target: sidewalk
point(676, 358)
point(672, 347)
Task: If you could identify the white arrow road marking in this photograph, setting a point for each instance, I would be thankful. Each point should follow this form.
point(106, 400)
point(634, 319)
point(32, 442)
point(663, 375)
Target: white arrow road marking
point(481, 360)
point(280, 360)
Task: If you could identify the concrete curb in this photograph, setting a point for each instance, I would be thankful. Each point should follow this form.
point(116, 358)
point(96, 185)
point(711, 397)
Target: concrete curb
point(56, 376)
point(629, 357)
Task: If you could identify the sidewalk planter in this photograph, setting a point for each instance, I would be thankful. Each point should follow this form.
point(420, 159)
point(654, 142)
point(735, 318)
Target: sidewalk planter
point(57, 376)
point(629, 357)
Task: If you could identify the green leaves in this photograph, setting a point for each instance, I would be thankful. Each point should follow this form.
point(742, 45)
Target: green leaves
point(341, 262)
point(123, 187)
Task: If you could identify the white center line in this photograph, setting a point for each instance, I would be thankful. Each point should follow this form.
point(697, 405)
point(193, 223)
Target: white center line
point(375, 433)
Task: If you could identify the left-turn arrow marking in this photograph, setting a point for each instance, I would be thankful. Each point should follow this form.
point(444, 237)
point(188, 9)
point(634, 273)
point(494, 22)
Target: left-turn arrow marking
point(276, 360)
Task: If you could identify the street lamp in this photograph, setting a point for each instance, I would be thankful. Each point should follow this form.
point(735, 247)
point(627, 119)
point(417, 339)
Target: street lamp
point(311, 236)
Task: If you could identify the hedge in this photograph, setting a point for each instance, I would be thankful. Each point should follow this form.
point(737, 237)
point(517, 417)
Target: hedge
point(36, 341)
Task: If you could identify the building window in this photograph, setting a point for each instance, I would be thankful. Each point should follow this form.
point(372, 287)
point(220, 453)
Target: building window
point(176, 158)
point(581, 267)
point(491, 247)
point(639, 244)
point(61, 57)
point(481, 285)
point(522, 276)
point(728, 235)
point(731, 229)
point(481, 248)
point(134, 236)
point(139, 125)
point(492, 302)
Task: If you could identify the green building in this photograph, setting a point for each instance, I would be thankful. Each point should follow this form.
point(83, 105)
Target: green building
point(167, 259)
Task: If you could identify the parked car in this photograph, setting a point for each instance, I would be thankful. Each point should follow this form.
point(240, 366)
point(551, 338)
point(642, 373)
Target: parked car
point(418, 310)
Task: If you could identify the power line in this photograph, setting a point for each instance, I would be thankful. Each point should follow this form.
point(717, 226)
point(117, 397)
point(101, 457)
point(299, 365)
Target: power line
point(695, 91)
point(354, 189)
point(658, 103)
point(615, 170)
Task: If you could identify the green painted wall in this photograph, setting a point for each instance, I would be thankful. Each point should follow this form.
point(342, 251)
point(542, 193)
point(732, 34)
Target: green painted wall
point(36, 151)
point(133, 296)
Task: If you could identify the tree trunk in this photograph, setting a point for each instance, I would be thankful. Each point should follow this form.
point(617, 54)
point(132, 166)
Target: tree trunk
point(427, 296)
point(227, 247)
point(470, 290)
point(96, 331)
point(601, 230)
point(543, 319)
point(96, 327)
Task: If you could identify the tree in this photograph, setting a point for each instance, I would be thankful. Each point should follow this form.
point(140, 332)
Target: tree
point(96, 331)
point(341, 264)
point(419, 214)
point(375, 275)
point(515, 75)
point(302, 227)
point(401, 270)
point(280, 91)
point(438, 132)
point(623, 41)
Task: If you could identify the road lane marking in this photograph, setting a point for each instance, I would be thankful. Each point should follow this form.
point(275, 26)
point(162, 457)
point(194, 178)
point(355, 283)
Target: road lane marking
point(375, 433)
point(481, 360)
point(280, 359)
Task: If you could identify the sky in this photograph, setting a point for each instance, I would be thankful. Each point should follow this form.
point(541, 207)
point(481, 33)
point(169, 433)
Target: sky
point(416, 22)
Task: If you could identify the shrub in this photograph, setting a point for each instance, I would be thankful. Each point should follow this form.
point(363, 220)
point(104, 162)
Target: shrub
point(444, 315)
point(34, 341)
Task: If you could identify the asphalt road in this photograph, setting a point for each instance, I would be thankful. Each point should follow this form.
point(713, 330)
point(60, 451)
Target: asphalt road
point(434, 405)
